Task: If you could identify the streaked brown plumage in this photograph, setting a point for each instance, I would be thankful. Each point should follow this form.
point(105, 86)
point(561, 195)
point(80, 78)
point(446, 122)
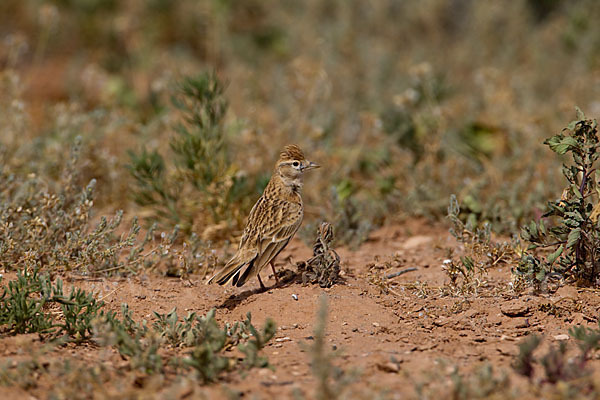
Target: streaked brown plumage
point(273, 221)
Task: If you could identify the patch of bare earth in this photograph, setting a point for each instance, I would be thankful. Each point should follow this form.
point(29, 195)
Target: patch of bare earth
point(393, 340)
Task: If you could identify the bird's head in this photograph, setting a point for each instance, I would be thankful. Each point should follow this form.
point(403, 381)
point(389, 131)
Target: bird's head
point(292, 164)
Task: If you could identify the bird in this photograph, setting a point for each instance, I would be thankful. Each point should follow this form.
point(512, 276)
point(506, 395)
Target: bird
point(272, 222)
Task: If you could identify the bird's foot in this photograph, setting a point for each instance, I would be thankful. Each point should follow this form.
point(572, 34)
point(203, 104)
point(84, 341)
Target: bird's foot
point(275, 274)
point(262, 288)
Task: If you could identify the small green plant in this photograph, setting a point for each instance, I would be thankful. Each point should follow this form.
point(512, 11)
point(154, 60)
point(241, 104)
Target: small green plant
point(351, 222)
point(184, 333)
point(556, 365)
point(79, 309)
point(574, 237)
point(22, 374)
point(588, 340)
point(74, 380)
point(331, 380)
point(200, 142)
point(51, 229)
point(25, 302)
point(22, 301)
point(201, 183)
point(482, 383)
point(206, 358)
point(480, 253)
point(140, 343)
point(134, 341)
point(524, 363)
point(254, 345)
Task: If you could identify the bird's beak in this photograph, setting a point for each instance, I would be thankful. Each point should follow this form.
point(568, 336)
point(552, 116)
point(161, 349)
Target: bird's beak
point(311, 165)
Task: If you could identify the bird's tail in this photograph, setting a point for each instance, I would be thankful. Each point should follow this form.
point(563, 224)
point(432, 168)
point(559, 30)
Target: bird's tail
point(231, 271)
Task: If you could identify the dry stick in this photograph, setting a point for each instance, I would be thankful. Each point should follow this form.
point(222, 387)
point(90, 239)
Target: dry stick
point(108, 294)
point(395, 274)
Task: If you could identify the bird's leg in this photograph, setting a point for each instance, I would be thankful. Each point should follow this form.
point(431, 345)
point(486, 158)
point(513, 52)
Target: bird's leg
point(262, 287)
point(274, 273)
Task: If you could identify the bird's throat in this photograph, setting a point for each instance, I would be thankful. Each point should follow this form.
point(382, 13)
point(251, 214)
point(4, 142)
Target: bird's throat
point(293, 185)
point(285, 186)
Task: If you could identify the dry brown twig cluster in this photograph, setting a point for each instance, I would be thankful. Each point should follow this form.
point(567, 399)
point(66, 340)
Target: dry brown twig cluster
point(324, 267)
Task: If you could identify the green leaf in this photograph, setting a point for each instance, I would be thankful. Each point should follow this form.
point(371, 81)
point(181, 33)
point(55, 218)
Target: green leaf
point(542, 227)
point(472, 204)
point(560, 144)
point(574, 215)
point(468, 263)
point(573, 237)
point(533, 229)
point(540, 275)
point(553, 256)
point(525, 233)
point(579, 114)
point(575, 191)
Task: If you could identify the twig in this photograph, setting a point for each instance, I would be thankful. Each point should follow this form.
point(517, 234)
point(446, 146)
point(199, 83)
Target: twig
point(395, 274)
point(108, 294)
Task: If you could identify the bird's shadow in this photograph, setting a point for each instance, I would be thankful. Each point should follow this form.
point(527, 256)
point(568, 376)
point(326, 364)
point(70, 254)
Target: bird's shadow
point(287, 278)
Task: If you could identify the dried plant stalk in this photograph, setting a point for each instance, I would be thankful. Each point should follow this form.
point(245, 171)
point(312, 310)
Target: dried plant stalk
point(324, 267)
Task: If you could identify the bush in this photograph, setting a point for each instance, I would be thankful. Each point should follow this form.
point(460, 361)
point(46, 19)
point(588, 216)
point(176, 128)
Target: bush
point(201, 186)
point(556, 365)
point(467, 274)
point(24, 307)
point(140, 343)
point(573, 236)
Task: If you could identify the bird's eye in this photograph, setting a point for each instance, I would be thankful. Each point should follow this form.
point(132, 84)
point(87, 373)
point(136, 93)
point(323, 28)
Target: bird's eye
point(295, 164)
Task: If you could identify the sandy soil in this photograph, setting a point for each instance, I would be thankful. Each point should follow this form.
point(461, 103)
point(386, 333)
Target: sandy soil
point(393, 341)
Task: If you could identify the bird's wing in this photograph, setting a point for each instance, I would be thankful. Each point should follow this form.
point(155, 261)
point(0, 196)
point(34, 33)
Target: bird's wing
point(271, 224)
point(231, 270)
point(275, 223)
point(271, 220)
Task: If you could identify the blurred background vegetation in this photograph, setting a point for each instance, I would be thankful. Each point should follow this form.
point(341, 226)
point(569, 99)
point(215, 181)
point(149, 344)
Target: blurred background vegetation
point(181, 107)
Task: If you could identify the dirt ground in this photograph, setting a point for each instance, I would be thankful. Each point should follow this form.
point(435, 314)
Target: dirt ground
point(392, 341)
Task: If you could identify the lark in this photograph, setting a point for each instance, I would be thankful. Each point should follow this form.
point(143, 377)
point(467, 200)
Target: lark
point(273, 221)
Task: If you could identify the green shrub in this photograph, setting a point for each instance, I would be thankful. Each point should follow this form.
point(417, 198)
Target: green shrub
point(331, 380)
point(140, 343)
point(206, 358)
point(200, 185)
point(134, 341)
point(557, 366)
point(256, 343)
point(573, 236)
point(24, 307)
point(43, 228)
point(467, 274)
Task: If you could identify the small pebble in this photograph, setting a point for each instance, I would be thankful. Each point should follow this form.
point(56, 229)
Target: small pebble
point(295, 297)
